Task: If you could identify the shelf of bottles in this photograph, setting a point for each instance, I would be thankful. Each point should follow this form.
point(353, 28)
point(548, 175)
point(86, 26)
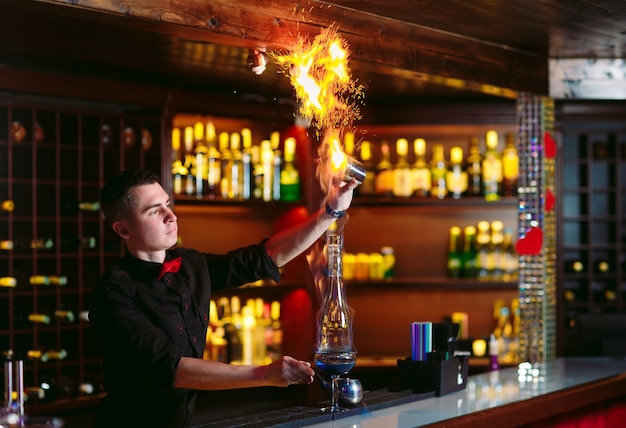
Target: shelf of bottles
point(234, 160)
point(593, 226)
point(53, 242)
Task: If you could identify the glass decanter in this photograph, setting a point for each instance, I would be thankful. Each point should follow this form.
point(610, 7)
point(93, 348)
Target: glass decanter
point(334, 353)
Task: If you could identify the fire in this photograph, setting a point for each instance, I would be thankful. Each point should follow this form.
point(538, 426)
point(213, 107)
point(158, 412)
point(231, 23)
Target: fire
point(338, 159)
point(318, 71)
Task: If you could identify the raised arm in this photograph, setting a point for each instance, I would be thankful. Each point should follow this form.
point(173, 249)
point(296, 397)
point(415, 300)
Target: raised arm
point(289, 243)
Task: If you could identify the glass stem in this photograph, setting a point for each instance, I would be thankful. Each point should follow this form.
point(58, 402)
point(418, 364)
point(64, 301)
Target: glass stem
point(334, 391)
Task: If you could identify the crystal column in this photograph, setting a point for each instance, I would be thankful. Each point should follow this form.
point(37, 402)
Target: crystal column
point(537, 230)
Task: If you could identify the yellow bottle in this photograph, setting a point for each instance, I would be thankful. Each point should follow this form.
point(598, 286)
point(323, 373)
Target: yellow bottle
point(438, 173)
point(456, 177)
point(492, 168)
point(384, 173)
point(510, 166)
point(402, 183)
point(420, 172)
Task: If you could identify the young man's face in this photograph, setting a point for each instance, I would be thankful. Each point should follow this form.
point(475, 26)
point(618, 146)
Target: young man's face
point(151, 225)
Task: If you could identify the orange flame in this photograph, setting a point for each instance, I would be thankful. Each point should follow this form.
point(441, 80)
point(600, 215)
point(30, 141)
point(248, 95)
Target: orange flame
point(319, 73)
point(338, 159)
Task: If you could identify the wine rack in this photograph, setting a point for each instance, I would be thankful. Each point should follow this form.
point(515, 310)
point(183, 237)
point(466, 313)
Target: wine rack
point(592, 223)
point(54, 157)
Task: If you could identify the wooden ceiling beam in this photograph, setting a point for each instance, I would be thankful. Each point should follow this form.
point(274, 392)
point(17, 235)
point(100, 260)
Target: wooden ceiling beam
point(380, 43)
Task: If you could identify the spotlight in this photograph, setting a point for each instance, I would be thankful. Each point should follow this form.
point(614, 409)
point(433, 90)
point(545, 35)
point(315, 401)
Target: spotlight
point(257, 61)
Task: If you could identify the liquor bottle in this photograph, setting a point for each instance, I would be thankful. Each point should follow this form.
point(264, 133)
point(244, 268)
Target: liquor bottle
point(384, 173)
point(267, 160)
point(289, 176)
point(438, 172)
point(39, 280)
point(492, 168)
point(510, 166)
point(57, 280)
point(275, 350)
point(483, 239)
point(189, 160)
point(57, 355)
point(235, 189)
point(7, 205)
point(248, 327)
point(225, 163)
point(39, 318)
point(247, 180)
point(257, 172)
point(402, 185)
point(574, 266)
point(8, 282)
point(420, 172)
point(469, 252)
point(37, 355)
point(64, 316)
point(601, 266)
point(473, 165)
point(367, 188)
point(276, 165)
point(70, 206)
point(213, 166)
point(454, 264)
point(348, 144)
point(201, 152)
point(456, 178)
point(6, 245)
point(508, 258)
point(496, 250)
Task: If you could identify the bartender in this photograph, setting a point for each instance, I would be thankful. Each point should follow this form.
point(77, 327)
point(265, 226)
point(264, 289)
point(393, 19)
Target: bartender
point(150, 310)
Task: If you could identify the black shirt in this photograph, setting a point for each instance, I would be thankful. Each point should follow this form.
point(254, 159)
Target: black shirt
point(144, 326)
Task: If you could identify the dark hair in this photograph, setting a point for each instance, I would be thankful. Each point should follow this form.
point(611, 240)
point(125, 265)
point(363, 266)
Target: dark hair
point(115, 196)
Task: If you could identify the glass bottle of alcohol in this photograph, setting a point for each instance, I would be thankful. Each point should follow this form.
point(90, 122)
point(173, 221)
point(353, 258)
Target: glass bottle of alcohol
point(225, 163)
point(438, 172)
point(510, 166)
point(456, 178)
point(247, 181)
point(384, 172)
point(420, 172)
point(201, 152)
point(235, 190)
point(189, 160)
point(277, 162)
point(492, 168)
point(257, 172)
point(469, 252)
point(289, 176)
point(496, 250)
point(214, 169)
point(509, 258)
point(367, 188)
point(402, 185)
point(267, 162)
point(473, 166)
point(483, 239)
point(454, 263)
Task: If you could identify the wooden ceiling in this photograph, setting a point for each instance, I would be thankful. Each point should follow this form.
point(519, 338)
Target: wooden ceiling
point(400, 49)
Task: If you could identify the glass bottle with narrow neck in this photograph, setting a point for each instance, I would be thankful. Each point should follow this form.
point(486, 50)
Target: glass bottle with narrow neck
point(473, 165)
point(367, 188)
point(384, 172)
point(334, 353)
point(246, 173)
point(456, 178)
point(510, 165)
point(438, 172)
point(402, 184)
point(225, 164)
point(420, 172)
point(289, 176)
point(235, 190)
point(214, 170)
point(492, 168)
point(454, 265)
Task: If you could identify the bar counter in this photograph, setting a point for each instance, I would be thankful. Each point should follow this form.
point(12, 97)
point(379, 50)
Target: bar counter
point(569, 388)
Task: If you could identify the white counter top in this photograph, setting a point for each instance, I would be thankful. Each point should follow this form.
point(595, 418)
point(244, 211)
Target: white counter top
point(494, 390)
